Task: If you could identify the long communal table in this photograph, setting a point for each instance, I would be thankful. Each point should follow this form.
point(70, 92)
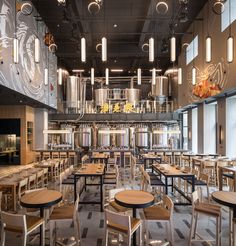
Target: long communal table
point(90, 170)
point(169, 172)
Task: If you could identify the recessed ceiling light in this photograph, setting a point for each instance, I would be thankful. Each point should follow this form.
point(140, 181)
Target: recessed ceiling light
point(115, 61)
point(115, 25)
point(58, 25)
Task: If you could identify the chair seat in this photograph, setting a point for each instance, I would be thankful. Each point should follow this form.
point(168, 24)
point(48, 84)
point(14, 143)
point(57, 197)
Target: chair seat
point(197, 182)
point(31, 221)
point(156, 182)
point(135, 223)
point(62, 213)
point(68, 182)
point(156, 213)
point(228, 175)
point(118, 208)
point(110, 176)
point(109, 181)
point(207, 208)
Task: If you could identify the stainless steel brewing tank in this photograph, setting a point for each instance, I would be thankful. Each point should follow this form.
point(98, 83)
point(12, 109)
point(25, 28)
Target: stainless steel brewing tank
point(159, 137)
point(142, 137)
point(83, 137)
point(132, 95)
point(122, 137)
point(104, 137)
point(72, 92)
point(161, 89)
point(101, 96)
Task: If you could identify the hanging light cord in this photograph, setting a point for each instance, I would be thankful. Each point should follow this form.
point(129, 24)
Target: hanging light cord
point(230, 18)
point(15, 21)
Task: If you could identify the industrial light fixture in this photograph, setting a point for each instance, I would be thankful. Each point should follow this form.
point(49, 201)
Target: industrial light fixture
point(173, 49)
point(180, 76)
point(60, 76)
point(139, 72)
point(77, 70)
point(107, 76)
point(36, 50)
point(94, 7)
point(83, 50)
point(218, 7)
point(153, 76)
point(162, 7)
point(61, 2)
point(157, 70)
point(117, 70)
point(230, 40)
point(104, 49)
point(194, 75)
point(208, 41)
point(15, 42)
point(92, 76)
point(145, 47)
point(151, 49)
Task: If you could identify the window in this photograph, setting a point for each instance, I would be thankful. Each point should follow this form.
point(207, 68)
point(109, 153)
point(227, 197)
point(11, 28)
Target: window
point(225, 22)
point(192, 50)
point(185, 130)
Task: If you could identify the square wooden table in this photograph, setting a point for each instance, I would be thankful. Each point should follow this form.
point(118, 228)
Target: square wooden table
point(90, 170)
point(170, 172)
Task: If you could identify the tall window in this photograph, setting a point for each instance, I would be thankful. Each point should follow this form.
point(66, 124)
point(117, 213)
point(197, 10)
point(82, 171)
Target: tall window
point(185, 130)
point(192, 50)
point(194, 130)
point(230, 127)
point(229, 11)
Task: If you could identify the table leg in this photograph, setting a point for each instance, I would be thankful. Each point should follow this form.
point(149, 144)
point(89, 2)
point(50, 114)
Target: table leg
point(134, 235)
point(166, 185)
point(234, 181)
point(41, 227)
point(220, 181)
point(75, 192)
point(101, 193)
point(172, 187)
point(85, 183)
point(193, 183)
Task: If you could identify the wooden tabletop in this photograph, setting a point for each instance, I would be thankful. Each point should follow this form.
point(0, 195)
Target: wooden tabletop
point(41, 199)
point(99, 156)
point(91, 169)
point(134, 198)
point(150, 156)
point(169, 170)
point(228, 168)
point(226, 198)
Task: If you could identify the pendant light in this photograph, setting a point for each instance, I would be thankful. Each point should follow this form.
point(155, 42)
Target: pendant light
point(46, 72)
point(60, 76)
point(107, 76)
point(153, 76)
point(230, 40)
point(83, 49)
point(151, 49)
point(194, 75)
point(104, 49)
point(139, 72)
point(36, 50)
point(15, 42)
point(208, 40)
point(180, 76)
point(173, 49)
point(92, 76)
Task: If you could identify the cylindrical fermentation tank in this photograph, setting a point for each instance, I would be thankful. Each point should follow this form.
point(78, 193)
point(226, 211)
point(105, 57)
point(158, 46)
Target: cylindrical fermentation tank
point(122, 137)
point(83, 137)
point(132, 95)
point(101, 96)
point(104, 137)
point(159, 136)
point(161, 89)
point(142, 137)
point(72, 92)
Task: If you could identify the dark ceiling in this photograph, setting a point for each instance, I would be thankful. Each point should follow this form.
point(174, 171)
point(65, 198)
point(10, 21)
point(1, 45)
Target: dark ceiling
point(136, 20)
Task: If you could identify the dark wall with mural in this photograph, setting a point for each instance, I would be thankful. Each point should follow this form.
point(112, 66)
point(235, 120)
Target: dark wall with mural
point(214, 77)
point(26, 77)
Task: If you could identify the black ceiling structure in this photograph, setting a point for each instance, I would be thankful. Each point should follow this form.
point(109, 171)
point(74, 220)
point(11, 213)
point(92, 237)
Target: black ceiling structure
point(127, 25)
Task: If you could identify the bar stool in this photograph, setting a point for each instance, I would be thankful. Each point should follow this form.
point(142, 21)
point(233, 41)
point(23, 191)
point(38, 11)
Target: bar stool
point(63, 155)
point(55, 155)
point(168, 157)
point(37, 156)
point(72, 157)
point(177, 158)
point(207, 209)
point(209, 167)
point(46, 155)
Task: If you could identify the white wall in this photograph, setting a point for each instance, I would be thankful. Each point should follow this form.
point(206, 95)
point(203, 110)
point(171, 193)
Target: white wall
point(194, 131)
point(210, 128)
point(231, 127)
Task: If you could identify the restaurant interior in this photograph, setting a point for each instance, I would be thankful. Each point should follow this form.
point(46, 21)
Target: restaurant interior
point(117, 122)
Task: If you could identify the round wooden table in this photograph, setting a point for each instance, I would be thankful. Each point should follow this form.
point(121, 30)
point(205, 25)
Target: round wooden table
point(134, 199)
point(41, 199)
point(228, 199)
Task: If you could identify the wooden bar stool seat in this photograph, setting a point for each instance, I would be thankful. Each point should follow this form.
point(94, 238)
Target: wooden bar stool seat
point(63, 155)
point(55, 155)
point(46, 155)
point(72, 157)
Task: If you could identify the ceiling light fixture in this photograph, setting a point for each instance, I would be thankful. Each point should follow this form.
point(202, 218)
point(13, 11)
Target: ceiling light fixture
point(115, 25)
point(77, 70)
point(60, 76)
point(15, 42)
point(61, 2)
point(46, 76)
point(104, 49)
point(94, 7)
point(151, 50)
point(173, 49)
point(157, 70)
point(218, 7)
point(83, 49)
point(92, 76)
point(139, 72)
point(36, 50)
point(230, 40)
point(115, 70)
point(153, 76)
point(162, 7)
point(194, 76)
point(107, 76)
point(180, 76)
point(208, 40)
point(145, 47)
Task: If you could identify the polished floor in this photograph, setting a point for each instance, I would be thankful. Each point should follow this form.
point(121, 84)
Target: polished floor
point(92, 225)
